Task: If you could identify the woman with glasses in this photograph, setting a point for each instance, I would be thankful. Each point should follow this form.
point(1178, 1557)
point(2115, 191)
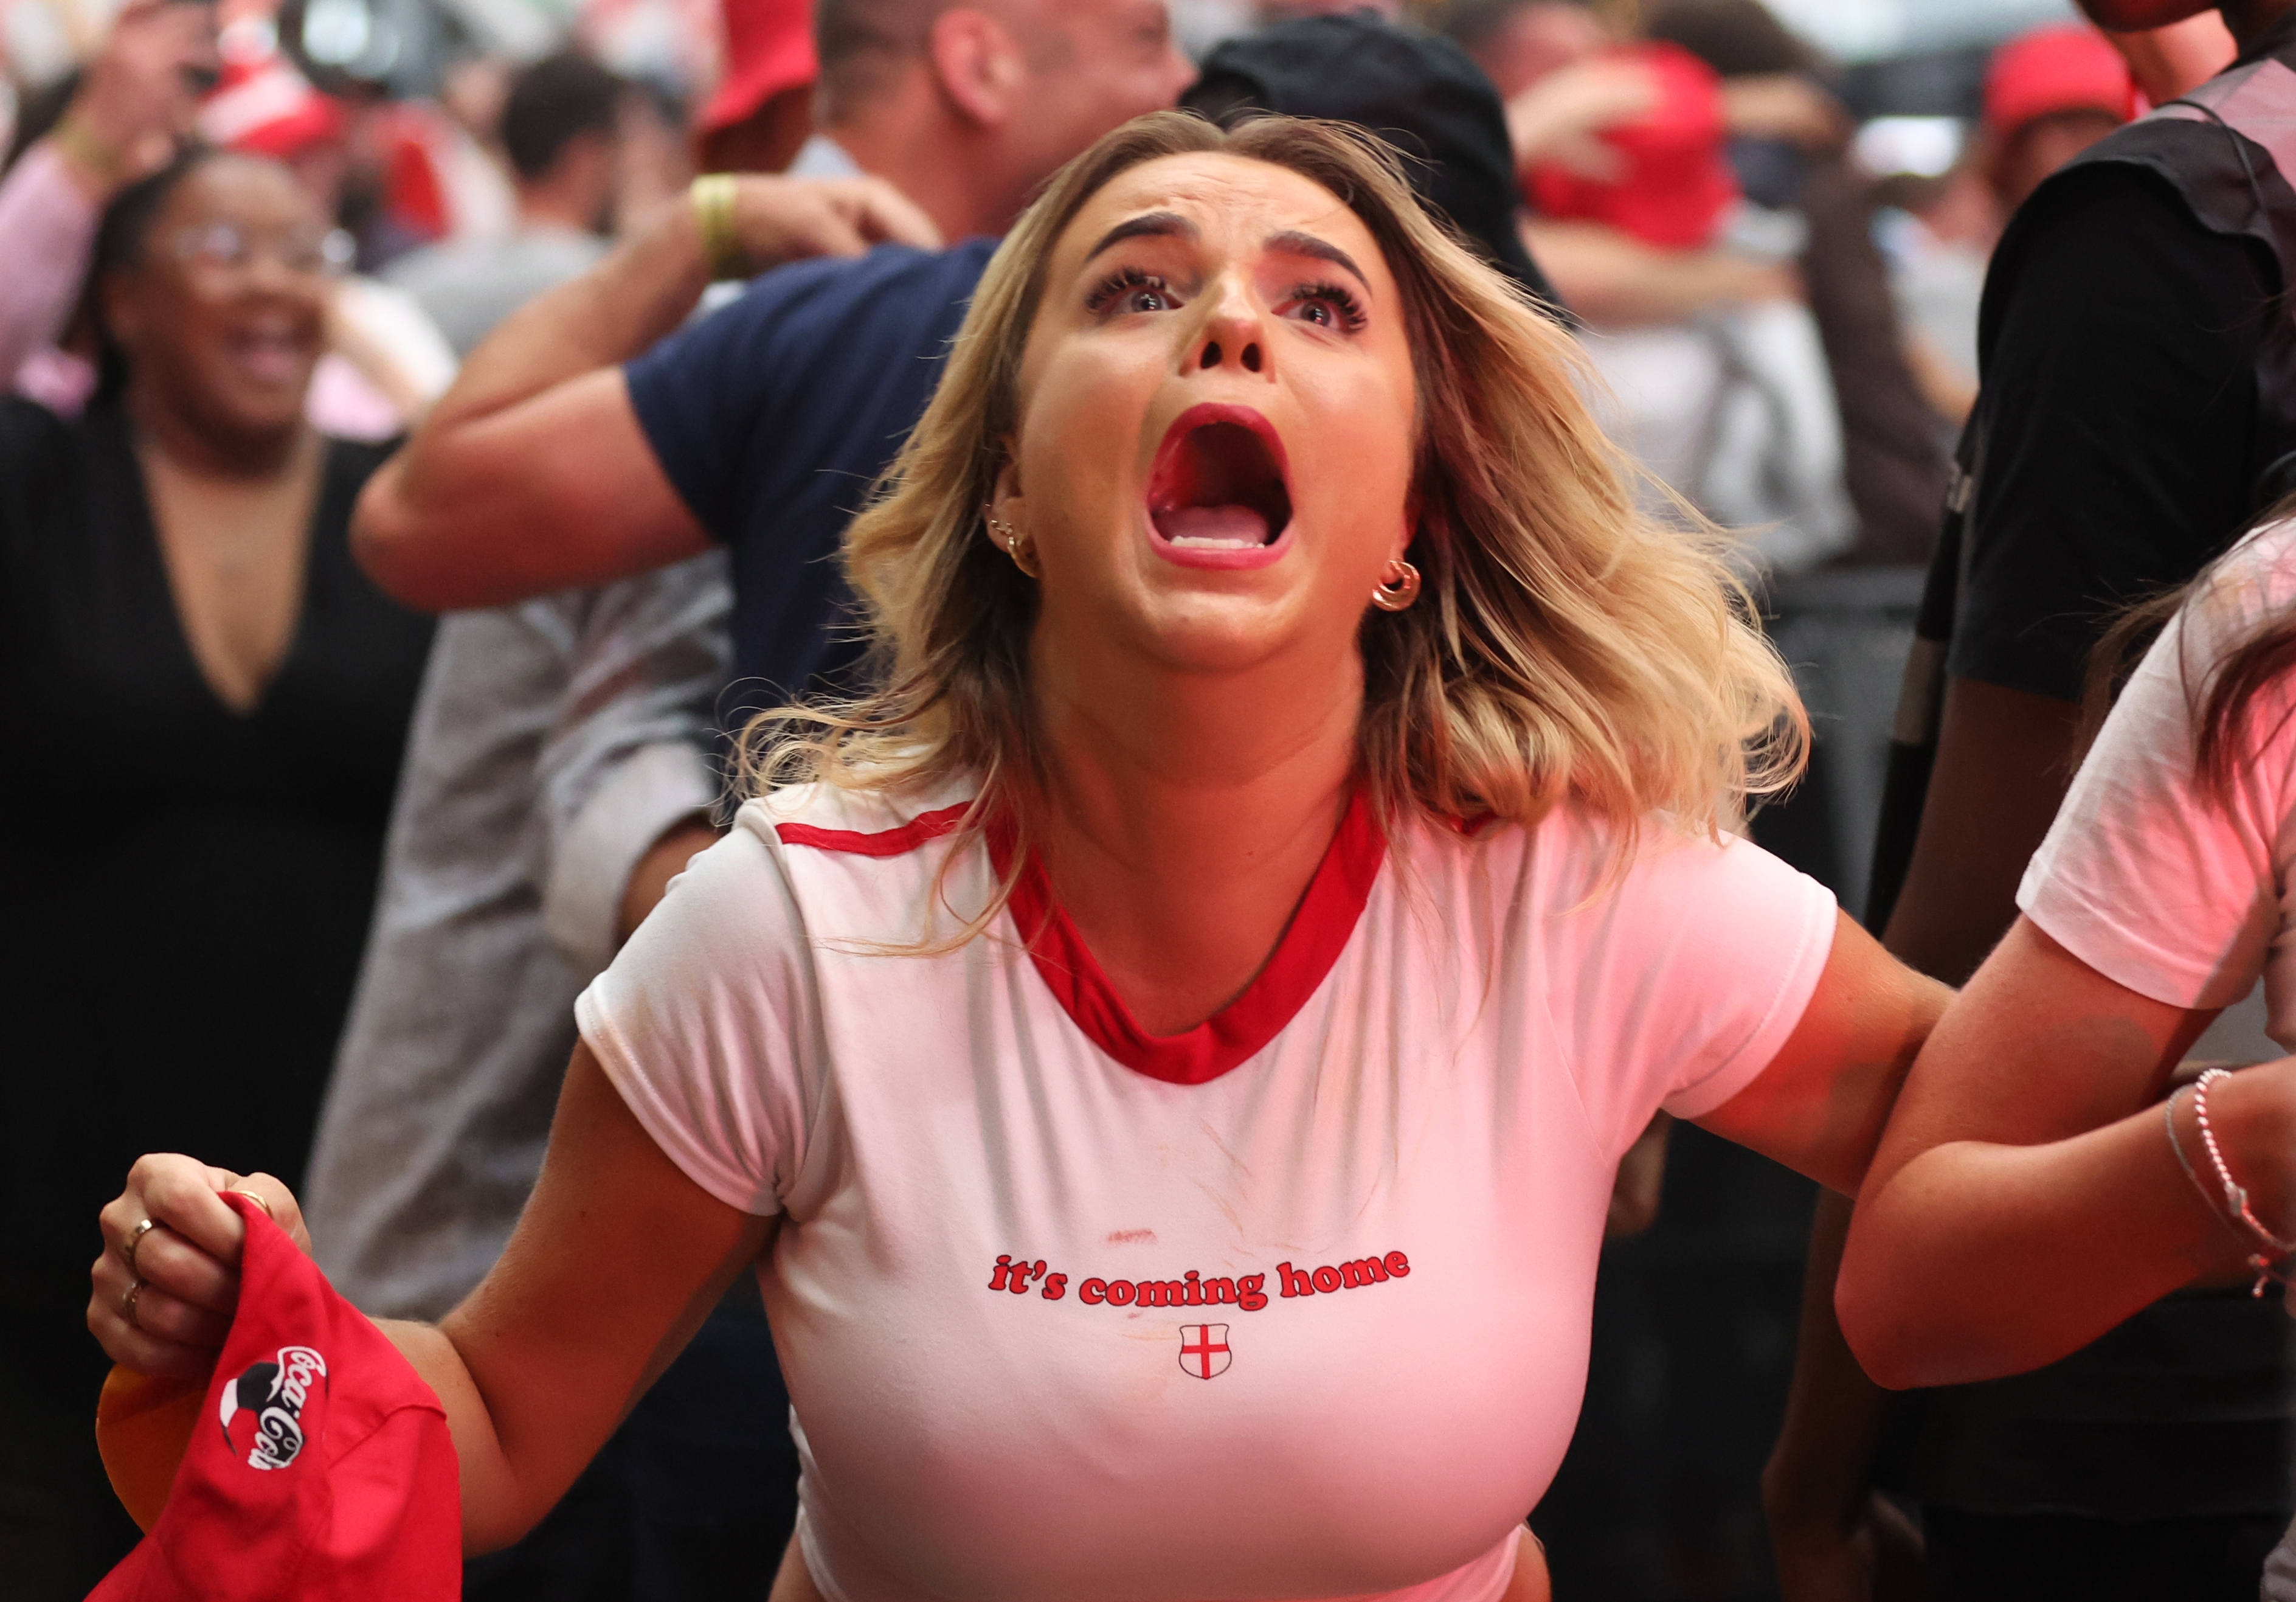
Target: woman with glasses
point(203, 702)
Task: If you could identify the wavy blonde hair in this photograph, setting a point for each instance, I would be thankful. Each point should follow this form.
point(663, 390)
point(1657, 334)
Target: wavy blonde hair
point(1566, 646)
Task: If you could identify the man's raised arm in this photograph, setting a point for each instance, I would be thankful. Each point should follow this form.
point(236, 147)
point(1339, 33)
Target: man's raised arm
point(532, 473)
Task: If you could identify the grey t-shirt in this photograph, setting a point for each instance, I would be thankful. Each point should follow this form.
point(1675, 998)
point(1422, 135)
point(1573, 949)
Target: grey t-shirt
point(468, 288)
point(554, 742)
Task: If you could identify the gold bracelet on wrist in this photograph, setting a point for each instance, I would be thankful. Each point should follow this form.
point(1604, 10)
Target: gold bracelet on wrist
point(85, 151)
point(713, 195)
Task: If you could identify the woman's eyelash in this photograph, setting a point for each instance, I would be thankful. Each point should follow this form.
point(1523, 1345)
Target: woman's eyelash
point(1347, 310)
point(1117, 281)
point(1341, 299)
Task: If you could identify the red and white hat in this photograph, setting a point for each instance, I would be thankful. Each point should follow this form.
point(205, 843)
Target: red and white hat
point(320, 1468)
point(266, 108)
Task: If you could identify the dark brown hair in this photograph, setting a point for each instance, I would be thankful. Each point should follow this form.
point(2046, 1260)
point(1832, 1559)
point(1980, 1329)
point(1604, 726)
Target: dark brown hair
point(2221, 695)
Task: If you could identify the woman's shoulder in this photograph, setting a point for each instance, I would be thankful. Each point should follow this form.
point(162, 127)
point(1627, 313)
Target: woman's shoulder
point(1573, 859)
point(2251, 584)
point(21, 416)
point(33, 439)
point(1567, 831)
point(59, 478)
point(876, 824)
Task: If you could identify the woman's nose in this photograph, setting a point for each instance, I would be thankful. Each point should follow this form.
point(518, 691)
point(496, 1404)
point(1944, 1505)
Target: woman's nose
point(1247, 352)
point(1232, 334)
point(268, 273)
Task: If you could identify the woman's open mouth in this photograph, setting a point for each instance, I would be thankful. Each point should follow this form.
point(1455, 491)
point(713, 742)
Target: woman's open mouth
point(1217, 496)
point(270, 354)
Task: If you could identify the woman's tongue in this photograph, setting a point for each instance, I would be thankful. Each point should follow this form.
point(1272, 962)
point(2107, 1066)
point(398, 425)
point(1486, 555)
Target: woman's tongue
point(1223, 527)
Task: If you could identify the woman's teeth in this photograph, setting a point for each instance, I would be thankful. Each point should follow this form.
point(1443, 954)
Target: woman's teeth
point(271, 355)
point(1217, 528)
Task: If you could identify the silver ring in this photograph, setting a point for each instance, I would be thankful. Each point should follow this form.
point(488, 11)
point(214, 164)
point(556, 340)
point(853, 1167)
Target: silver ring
point(134, 1239)
point(128, 1300)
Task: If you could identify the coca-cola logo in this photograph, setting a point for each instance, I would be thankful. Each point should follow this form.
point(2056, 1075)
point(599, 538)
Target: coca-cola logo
point(263, 1408)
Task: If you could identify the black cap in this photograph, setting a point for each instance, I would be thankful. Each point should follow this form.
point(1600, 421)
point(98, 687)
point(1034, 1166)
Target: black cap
point(1421, 93)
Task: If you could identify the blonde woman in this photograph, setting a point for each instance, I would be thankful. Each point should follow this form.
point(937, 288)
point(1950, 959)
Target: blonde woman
point(1166, 1060)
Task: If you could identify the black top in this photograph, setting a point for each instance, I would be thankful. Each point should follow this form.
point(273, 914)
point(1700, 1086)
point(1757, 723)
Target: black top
point(186, 890)
point(772, 418)
point(2117, 342)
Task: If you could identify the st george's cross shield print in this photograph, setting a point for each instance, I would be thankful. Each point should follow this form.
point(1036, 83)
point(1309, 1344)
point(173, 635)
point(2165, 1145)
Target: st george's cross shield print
point(1203, 1350)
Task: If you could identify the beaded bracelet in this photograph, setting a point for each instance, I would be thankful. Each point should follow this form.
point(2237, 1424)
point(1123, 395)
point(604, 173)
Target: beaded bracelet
point(2169, 1116)
point(712, 196)
point(2235, 1197)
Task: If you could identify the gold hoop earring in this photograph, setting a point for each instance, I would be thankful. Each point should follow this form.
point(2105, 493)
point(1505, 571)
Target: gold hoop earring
point(1398, 588)
point(1012, 546)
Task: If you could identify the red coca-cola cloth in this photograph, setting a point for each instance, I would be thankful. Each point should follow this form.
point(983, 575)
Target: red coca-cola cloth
point(320, 1470)
point(1676, 184)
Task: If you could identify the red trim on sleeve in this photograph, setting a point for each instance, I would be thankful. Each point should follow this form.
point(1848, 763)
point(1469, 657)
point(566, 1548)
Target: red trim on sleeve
point(886, 842)
point(1319, 930)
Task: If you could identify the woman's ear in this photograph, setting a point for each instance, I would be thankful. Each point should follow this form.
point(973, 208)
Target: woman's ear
point(118, 311)
point(1007, 507)
point(1410, 529)
point(1008, 517)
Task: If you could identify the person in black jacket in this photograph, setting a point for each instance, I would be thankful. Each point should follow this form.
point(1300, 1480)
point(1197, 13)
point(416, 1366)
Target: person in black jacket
point(203, 702)
point(2139, 398)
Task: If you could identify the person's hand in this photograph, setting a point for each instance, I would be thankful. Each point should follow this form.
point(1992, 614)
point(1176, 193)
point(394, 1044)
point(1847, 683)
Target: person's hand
point(778, 219)
point(1876, 1557)
point(1555, 120)
point(1788, 106)
point(139, 98)
point(184, 1271)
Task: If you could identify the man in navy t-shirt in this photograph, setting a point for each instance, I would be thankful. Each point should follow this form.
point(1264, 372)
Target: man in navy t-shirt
point(772, 419)
point(549, 464)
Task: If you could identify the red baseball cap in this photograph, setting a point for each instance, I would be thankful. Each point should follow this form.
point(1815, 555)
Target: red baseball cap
point(320, 1468)
point(2065, 67)
point(768, 48)
point(1678, 184)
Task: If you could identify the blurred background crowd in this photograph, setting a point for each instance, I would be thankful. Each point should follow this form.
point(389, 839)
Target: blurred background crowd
point(1771, 225)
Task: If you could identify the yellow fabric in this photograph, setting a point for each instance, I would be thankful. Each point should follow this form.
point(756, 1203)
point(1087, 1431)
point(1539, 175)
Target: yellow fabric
point(143, 1425)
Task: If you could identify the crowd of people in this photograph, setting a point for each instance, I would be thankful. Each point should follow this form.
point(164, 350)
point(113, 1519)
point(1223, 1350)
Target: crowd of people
point(986, 651)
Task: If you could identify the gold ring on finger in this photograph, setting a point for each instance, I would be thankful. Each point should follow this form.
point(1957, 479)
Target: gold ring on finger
point(128, 1300)
point(135, 1239)
point(260, 1202)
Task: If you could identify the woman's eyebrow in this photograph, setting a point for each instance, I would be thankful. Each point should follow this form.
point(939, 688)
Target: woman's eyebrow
point(1148, 224)
point(1291, 241)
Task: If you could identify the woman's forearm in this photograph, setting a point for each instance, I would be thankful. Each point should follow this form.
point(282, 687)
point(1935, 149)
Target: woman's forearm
point(1976, 1260)
point(540, 1363)
point(49, 222)
point(494, 1512)
point(1615, 281)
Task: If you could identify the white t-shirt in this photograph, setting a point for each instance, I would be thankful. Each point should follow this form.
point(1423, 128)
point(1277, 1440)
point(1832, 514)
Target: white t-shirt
point(1294, 1305)
point(2157, 887)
